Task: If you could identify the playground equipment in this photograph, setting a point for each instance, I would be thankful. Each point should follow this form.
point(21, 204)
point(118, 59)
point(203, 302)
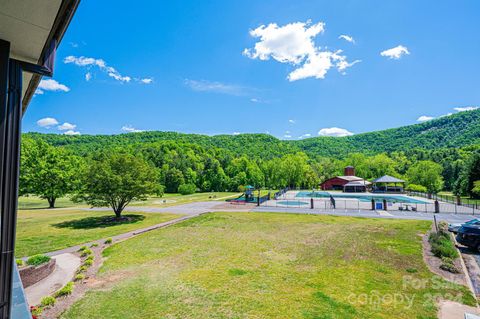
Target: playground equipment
point(249, 197)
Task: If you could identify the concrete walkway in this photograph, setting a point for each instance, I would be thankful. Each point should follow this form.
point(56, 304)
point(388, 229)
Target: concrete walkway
point(65, 267)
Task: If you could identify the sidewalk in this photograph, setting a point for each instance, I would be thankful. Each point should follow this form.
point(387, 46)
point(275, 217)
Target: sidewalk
point(65, 267)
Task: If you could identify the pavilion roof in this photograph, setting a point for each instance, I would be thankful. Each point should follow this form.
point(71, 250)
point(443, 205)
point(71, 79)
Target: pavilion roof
point(388, 179)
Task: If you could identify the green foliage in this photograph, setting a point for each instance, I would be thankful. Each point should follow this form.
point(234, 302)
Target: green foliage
point(427, 174)
point(91, 257)
point(36, 311)
point(79, 277)
point(82, 269)
point(48, 301)
point(19, 262)
point(66, 290)
point(88, 262)
point(108, 241)
point(115, 179)
point(465, 184)
point(82, 248)
point(48, 172)
point(448, 265)
point(94, 245)
point(226, 162)
point(86, 252)
point(476, 189)
point(37, 260)
point(187, 189)
point(442, 245)
point(416, 188)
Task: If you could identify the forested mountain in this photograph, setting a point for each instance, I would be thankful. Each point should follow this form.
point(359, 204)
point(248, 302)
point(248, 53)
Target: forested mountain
point(439, 154)
point(455, 131)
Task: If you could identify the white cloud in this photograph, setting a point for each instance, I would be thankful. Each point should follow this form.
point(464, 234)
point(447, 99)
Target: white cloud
point(287, 136)
point(254, 100)
point(466, 108)
point(305, 135)
point(396, 52)
point(50, 85)
point(130, 129)
point(47, 122)
point(425, 118)
point(88, 76)
point(293, 43)
point(72, 132)
point(334, 131)
point(216, 87)
point(287, 132)
point(146, 80)
point(66, 126)
point(347, 38)
point(236, 133)
point(102, 65)
point(291, 121)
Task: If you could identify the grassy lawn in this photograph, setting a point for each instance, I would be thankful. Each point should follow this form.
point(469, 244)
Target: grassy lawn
point(45, 230)
point(266, 265)
point(465, 199)
point(177, 199)
point(34, 202)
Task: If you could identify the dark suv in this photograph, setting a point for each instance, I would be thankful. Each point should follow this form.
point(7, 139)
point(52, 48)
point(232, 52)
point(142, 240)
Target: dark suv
point(469, 235)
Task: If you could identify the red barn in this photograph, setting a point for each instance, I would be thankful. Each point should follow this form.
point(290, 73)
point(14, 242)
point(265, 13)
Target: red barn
point(338, 182)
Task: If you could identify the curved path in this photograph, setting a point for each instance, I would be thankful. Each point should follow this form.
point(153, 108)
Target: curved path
point(65, 266)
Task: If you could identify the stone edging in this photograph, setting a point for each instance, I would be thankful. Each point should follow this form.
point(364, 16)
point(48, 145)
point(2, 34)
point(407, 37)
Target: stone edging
point(30, 275)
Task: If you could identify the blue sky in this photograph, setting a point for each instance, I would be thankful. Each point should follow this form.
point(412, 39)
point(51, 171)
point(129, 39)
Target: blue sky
point(260, 66)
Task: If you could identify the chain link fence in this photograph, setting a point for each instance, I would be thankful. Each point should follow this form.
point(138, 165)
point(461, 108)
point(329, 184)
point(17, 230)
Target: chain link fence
point(288, 200)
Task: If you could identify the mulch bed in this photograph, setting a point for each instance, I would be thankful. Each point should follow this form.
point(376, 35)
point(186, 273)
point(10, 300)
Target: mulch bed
point(80, 287)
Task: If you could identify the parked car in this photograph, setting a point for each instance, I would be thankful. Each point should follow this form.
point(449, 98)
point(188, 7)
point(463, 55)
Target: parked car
point(454, 227)
point(469, 235)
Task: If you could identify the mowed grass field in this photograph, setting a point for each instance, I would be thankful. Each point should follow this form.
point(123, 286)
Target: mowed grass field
point(34, 202)
point(177, 199)
point(266, 265)
point(45, 230)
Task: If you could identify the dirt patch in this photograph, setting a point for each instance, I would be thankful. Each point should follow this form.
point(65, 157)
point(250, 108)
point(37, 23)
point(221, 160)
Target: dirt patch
point(63, 303)
point(455, 310)
point(434, 263)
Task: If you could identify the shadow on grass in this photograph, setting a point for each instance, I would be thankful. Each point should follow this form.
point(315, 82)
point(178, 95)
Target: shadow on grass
point(99, 222)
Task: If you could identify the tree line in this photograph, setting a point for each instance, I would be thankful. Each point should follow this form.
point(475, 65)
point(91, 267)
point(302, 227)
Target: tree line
point(115, 175)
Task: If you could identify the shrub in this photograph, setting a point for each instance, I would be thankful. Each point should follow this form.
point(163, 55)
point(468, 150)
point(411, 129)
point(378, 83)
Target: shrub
point(416, 188)
point(160, 190)
point(79, 277)
point(448, 265)
point(94, 245)
point(82, 269)
point(35, 311)
point(411, 270)
point(187, 189)
point(442, 245)
point(48, 301)
point(88, 262)
point(108, 241)
point(82, 248)
point(91, 257)
point(86, 252)
point(66, 290)
point(241, 188)
point(37, 260)
point(19, 262)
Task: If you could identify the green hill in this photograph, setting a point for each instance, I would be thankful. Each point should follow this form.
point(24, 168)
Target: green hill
point(454, 131)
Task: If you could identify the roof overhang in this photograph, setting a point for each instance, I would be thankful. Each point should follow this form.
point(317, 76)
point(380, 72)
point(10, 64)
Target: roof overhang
point(34, 29)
